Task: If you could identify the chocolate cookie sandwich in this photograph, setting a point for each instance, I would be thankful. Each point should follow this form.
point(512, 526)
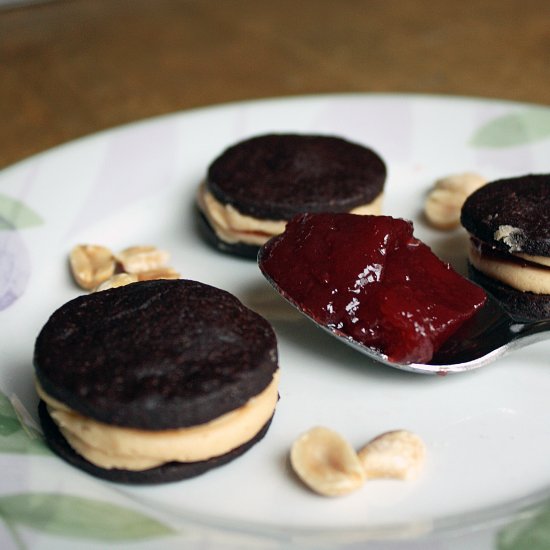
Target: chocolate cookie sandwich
point(509, 254)
point(254, 187)
point(155, 381)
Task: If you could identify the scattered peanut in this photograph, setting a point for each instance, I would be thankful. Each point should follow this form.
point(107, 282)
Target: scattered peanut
point(445, 200)
point(137, 259)
point(91, 264)
point(442, 208)
point(398, 454)
point(326, 462)
point(119, 279)
point(465, 183)
point(96, 268)
point(161, 273)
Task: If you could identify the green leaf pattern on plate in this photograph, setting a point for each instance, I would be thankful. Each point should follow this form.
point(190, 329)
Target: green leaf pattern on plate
point(15, 436)
point(14, 214)
point(61, 514)
point(532, 533)
point(517, 128)
point(79, 517)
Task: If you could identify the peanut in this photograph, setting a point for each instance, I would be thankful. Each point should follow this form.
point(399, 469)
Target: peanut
point(161, 273)
point(397, 454)
point(91, 264)
point(120, 279)
point(326, 462)
point(444, 202)
point(137, 259)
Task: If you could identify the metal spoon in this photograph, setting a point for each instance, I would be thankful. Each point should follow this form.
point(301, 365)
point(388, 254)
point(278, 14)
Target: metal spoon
point(488, 335)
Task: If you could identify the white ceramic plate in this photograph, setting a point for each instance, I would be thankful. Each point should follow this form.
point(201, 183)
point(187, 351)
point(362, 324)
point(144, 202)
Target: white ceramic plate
point(487, 432)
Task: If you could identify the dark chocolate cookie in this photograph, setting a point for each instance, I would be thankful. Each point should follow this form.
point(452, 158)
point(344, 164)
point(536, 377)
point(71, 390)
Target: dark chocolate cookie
point(155, 355)
point(171, 471)
point(509, 224)
point(258, 184)
point(276, 176)
point(512, 215)
point(523, 306)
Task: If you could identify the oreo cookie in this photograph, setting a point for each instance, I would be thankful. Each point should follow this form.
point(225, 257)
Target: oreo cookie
point(167, 472)
point(255, 186)
point(509, 225)
point(134, 378)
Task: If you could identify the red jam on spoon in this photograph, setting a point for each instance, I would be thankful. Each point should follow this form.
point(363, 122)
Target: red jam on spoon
point(368, 278)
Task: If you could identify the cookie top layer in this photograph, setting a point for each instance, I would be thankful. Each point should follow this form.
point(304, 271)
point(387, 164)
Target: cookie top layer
point(279, 175)
point(155, 355)
point(512, 215)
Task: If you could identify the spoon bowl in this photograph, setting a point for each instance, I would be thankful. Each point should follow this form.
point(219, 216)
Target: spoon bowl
point(488, 335)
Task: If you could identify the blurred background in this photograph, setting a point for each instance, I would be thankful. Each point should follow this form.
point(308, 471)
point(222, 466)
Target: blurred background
point(72, 67)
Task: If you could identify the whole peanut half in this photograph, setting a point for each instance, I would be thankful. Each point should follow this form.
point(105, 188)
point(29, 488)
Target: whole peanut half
point(326, 462)
point(444, 202)
point(398, 454)
point(91, 264)
point(137, 259)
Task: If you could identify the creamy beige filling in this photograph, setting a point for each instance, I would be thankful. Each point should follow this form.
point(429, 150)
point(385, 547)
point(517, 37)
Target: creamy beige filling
point(231, 226)
point(526, 278)
point(541, 260)
point(132, 449)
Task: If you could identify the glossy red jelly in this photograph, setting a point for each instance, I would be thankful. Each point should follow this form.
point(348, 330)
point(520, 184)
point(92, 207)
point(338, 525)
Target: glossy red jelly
point(367, 277)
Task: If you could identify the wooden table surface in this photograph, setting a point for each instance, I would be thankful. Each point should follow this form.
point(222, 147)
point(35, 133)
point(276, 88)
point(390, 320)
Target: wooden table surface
point(69, 68)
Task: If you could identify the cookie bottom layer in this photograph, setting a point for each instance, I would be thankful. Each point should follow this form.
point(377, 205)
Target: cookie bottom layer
point(525, 306)
point(243, 250)
point(171, 471)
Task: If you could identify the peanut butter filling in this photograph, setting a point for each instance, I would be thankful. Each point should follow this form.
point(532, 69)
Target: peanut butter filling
point(526, 277)
point(232, 226)
point(541, 260)
point(132, 449)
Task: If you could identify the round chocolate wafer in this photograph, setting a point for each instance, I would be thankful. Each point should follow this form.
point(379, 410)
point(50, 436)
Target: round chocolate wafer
point(512, 215)
point(277, 176)
point(155, 356)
